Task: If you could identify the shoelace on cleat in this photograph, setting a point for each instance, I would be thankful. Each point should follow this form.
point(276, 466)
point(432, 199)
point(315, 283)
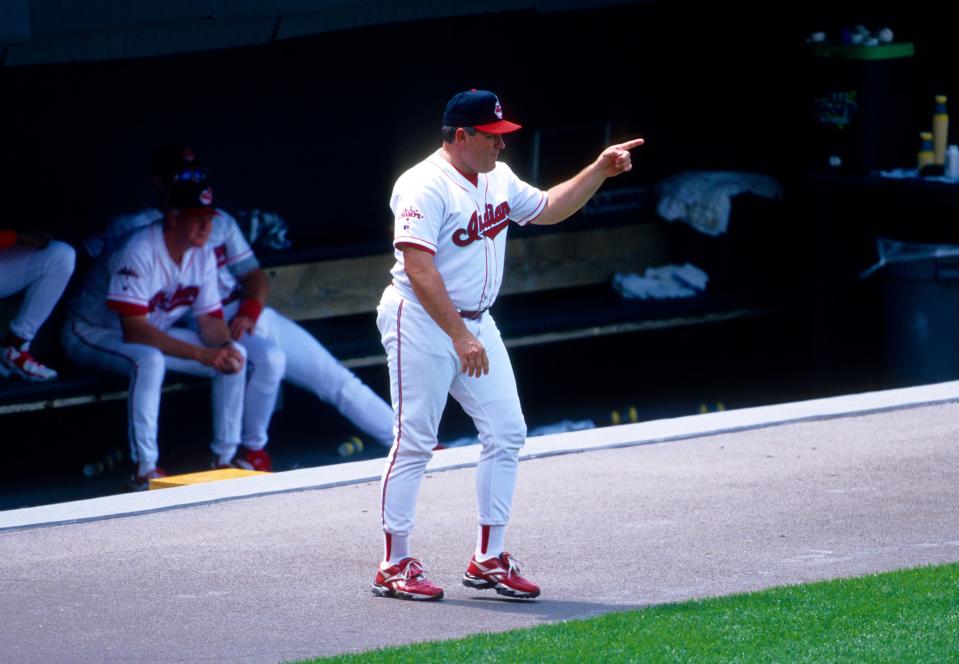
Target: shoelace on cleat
point(513, 569)
point(407, 572)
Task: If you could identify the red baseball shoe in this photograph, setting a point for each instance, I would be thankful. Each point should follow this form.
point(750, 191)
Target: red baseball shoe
point(501, 573)
point(259, 460)
point(406, 580)
point(19, 363)
point(245, 459)
point(142, 482)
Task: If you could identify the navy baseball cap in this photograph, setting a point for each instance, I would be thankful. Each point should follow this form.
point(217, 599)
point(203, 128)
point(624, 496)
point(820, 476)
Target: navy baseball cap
point(479, 109)
point(190, 195)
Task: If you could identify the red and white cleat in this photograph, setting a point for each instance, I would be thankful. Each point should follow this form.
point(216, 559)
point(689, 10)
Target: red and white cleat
point(258, 460)
point(20, 363)
point(500, 573)
point(406, 580)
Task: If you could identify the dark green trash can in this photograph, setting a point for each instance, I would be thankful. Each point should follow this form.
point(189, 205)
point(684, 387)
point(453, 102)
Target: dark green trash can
point(920, 288)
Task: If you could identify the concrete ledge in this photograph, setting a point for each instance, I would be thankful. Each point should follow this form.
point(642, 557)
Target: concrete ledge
point(641, 433)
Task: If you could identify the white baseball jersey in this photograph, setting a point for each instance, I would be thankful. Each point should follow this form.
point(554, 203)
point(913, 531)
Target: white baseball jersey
point(464, 226)
point(140, 278)
point(234, 255)
point(307, 363)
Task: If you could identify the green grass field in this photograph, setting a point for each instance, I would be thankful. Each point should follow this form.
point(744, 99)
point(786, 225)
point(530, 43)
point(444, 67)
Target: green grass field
point(905, 616)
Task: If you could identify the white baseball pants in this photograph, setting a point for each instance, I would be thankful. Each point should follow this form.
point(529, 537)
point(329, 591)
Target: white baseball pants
point(43, 274)
point(104, 349)
point(266, 365)
point(424, 368)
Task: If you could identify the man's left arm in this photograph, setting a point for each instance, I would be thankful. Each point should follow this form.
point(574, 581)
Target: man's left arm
point(215, 334)
point(254, 287)
point(213, 330)
point(567, 197)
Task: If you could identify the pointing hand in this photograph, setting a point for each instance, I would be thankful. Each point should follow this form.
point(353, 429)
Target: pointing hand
point(616, 158)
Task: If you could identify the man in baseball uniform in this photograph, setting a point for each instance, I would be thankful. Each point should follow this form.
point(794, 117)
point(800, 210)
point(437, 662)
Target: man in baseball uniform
point(451, 214)
point(40, 267)
point(277, 347)
point(122, 322)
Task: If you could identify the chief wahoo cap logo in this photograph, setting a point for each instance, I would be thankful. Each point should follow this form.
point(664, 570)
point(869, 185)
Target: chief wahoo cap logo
point(498, 110)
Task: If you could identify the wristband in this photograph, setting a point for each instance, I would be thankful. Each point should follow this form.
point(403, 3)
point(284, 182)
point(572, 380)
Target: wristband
point(250, 307)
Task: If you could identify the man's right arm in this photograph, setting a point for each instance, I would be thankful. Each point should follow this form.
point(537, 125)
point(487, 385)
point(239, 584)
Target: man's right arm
point(432, 294)
point(138, 330)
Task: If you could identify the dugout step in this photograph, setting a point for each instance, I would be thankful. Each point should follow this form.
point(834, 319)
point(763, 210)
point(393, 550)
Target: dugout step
point(205, 476)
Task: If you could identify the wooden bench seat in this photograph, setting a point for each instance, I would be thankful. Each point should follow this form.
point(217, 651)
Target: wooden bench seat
point(556, 287)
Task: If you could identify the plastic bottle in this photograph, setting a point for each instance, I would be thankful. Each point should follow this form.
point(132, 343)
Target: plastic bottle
point(952, 161)
point(940, 130)
point(926, 155)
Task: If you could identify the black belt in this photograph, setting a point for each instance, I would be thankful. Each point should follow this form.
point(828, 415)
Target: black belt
point(473, 315)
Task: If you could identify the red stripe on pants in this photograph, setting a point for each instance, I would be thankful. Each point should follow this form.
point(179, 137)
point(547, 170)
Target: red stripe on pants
point(399, 409)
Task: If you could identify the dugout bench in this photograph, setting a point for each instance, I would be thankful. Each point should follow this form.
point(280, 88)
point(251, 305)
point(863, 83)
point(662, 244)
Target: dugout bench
point(556, 288)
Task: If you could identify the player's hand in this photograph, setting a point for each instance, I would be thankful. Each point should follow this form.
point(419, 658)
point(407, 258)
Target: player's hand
point(616, 159)
point(226, 359)
point(473, 360)
point(241, 325)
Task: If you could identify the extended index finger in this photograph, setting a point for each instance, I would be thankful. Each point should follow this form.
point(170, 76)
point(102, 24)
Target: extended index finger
point(629, 145)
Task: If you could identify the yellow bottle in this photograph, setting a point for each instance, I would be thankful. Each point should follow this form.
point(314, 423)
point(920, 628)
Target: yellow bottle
point(926, 154)
point(940, 130)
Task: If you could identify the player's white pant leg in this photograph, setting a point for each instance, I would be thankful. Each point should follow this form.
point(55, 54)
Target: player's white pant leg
point(311, 366)
point(43, 274)
point(422, 366)
point(103, 349)
point(265, 369)
point(493, 403)
point(227, 394)
point(266, 366)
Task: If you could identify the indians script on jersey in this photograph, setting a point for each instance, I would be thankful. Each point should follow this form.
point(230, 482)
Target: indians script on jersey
point(494, 220)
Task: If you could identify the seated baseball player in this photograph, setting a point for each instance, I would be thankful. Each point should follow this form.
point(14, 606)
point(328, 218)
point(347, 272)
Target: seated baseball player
point(40, 267)
point(122, 322)
point(275, 344)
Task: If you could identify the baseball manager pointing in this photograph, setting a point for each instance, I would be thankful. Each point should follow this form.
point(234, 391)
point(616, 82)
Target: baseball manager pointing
point(452, 213)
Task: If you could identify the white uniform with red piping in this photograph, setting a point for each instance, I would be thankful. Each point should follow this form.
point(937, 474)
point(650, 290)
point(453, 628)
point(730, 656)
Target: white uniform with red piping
point(140, 278)
point(279, 348)
point(41, 274)
point(464, 226)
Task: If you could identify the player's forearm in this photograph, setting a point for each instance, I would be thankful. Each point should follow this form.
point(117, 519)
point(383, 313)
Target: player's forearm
point(432, 294)
point(213, 331)
point(564, 199)
point(148, 335)
point(255, 286)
